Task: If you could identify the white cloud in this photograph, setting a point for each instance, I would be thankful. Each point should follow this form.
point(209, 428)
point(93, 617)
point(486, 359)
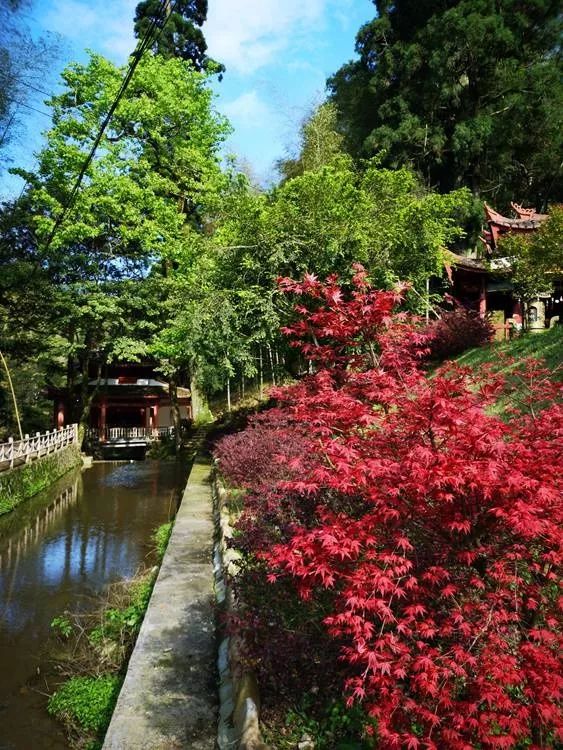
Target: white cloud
point(248, 35)
point(247, 109)
point(94, 24)
point(69, 18)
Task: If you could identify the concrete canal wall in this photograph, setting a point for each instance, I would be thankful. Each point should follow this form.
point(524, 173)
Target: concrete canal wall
point(169, 697)
point(24, 481)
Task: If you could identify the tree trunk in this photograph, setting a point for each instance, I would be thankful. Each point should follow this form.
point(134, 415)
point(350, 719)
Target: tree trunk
point(86, 398)
point(199, 403)
point(261, 372)
point(176, 416)
point(228, 394)
point(272, 369)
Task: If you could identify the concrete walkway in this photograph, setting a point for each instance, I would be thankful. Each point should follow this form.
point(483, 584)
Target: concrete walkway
point(169, 698)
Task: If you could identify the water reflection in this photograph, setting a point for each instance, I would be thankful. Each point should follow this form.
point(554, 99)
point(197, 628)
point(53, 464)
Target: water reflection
point(56, 552)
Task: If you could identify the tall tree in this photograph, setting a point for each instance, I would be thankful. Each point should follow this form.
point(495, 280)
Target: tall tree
point(319, 143)
point(24, 62)
point(152, 180)
point(182, 36)
point(469, 92)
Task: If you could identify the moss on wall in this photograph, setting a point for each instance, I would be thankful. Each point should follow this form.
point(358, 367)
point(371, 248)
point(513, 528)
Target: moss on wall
point(25, 481)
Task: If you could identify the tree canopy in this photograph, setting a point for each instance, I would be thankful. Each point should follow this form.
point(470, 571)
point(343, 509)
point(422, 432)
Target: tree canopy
point(182, 36)
point(536, 259)
point(469, 92)
point(155, 175)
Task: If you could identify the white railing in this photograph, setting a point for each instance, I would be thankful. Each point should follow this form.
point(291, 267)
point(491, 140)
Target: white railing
point(16, 452)
point(113, 434)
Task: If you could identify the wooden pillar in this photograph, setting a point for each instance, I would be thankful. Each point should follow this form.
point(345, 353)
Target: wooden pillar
point(517, 313)
point(483, 298)
point(102, 422)
point(155, 417)
point(60, 420)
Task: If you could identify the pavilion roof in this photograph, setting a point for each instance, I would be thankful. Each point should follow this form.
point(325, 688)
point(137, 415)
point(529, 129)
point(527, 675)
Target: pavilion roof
point(468, 264)
point(527, 218)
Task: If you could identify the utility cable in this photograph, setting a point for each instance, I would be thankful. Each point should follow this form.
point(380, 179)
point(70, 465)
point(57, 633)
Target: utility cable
point(35, 88)
point(27, 106)
point(16, 83)
point(148, 39)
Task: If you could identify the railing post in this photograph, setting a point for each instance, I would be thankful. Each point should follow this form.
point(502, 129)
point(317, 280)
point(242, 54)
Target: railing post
point(27, 448)
point(11, 451)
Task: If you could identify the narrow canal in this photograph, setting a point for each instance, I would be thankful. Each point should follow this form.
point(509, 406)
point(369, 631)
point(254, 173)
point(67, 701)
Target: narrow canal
point(57, 551)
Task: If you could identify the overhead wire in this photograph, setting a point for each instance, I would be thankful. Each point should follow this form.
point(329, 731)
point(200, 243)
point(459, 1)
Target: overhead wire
point(27, 106)
point(147, 41)
point(28, 85)
point(35, 88)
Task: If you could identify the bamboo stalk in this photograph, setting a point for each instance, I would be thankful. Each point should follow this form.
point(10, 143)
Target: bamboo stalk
point(16, 410)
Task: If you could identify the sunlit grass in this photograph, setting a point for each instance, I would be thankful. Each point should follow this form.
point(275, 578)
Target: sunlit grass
point(546, 345)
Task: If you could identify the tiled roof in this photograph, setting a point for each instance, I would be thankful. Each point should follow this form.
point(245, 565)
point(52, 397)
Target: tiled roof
point(470, 264)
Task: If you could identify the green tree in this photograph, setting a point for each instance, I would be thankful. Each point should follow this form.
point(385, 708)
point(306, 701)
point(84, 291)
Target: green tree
point(27, 302)
point(225, 310)
point(469, 92)
point(319, 143)
point(536, 259)
point(325, 220)
point(154, 177)
point(182, 36)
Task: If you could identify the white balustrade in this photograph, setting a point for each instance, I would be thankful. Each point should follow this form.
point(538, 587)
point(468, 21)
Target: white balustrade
point(118, 434)
point(16, 452)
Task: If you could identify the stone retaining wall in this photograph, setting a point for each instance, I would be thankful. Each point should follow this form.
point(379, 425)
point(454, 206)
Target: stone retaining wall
point(238, 690)
point(27, 480)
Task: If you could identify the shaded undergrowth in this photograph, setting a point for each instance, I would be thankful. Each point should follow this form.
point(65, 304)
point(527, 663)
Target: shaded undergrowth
point(92, 649)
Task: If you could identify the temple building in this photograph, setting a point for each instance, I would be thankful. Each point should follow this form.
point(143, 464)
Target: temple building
point(483, 284)
point(527, 220)
point(129, 398)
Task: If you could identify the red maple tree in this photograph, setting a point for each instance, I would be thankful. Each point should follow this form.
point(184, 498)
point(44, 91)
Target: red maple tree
point(430, 525)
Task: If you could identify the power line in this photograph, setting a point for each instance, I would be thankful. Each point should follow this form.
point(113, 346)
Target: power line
point(15, 83)
point(35, 88)
point(148, 39)
point(27, 106)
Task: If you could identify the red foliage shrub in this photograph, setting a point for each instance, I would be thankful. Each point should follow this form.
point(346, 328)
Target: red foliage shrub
point(424, 532)
point(456, 331)
point(261, 452)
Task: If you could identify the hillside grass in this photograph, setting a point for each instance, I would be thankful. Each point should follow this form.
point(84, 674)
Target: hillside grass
point(546, 345)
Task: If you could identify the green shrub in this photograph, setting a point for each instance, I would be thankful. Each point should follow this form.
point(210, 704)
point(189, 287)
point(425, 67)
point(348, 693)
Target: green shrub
point(86, 702)
point(160, 538)
point(122, 624)
point(62, 626)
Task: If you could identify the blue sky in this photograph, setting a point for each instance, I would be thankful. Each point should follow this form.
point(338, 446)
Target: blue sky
point(278, 54)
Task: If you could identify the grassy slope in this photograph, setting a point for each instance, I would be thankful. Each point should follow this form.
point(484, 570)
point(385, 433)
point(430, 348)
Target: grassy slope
point(547, 345)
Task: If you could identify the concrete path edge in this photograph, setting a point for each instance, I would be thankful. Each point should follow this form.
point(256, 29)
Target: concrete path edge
point(168, 700)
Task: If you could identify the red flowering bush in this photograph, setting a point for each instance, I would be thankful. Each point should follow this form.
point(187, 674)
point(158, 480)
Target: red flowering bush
point(456, 331)
point(424, 532)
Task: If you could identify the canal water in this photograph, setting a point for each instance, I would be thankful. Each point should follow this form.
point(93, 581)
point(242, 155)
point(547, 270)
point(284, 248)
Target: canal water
point(57, 551)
